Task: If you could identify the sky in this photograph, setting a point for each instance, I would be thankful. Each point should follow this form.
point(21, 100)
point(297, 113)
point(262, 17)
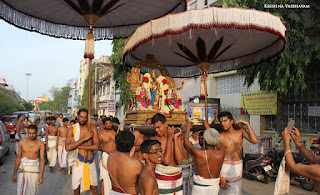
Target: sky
point(51, 61)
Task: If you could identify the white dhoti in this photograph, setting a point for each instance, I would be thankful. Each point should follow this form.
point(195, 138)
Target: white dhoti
point(62, 153)
point(169, 183)
point(52, 153)
point(232, 171)
point(205, 186)
point(84, 173)
point(104, 174)
point(17, 138)
point(186, 166)
point(28, 177)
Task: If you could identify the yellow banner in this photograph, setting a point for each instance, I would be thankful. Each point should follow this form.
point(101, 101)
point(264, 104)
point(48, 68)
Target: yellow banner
point(259, 103)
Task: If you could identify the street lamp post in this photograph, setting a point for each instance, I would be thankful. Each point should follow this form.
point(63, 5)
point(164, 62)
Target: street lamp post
point(27, 74)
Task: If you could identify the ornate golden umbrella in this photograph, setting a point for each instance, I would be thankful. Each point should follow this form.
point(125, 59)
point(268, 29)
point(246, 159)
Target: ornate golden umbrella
point(198, 42)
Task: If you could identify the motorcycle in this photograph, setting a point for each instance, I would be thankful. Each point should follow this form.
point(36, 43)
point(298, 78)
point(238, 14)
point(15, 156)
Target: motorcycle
point(276, 157)
point(257, 166)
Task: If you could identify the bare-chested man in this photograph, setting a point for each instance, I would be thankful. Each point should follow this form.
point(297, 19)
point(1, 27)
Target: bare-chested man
point(28, 163)
point(169, 175)
point(152, 153)
point(231, 142)
point(51, 143)
point(61, 142)
point(208, 162)
point(107, 146)
point(20, 132)
point(123, 169)
point(82, 142)
point(139, 138)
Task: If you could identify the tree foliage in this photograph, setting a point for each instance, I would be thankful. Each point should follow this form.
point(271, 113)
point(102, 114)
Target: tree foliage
point(9, 102)
point(286, 72)
point(120, 72)
point(60, 99)
point(84, 98)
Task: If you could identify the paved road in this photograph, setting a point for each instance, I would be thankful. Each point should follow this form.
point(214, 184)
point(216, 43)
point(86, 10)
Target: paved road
point(59, 184)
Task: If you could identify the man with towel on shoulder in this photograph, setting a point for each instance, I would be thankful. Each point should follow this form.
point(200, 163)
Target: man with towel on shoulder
point(51, 140)
point(168, 174)
point(231, 142)
point(84, 142)
point(61, 142)
point(28, 163)
point(208, 162)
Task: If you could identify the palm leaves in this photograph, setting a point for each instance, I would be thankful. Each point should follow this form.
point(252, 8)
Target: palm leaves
point(202, 57)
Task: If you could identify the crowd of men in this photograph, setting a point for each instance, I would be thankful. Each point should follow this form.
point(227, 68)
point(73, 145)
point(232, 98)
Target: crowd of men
point(142, 163)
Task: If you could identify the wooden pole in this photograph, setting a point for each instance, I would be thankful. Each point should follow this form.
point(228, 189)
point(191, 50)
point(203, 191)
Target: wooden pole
point(89, 94)
point(205, 95)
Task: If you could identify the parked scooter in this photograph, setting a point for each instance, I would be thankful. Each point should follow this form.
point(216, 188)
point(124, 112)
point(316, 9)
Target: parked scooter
point(257, 166)
point(276, 157)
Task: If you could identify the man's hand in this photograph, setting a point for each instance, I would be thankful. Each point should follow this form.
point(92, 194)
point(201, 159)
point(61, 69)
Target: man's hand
point(176, 135)
point(40, 180)
point(14, 178)
point(242, 121)
point(295, 134)
point(88, 135)
point(285, 137)
point(223, 183)
point(171, 132)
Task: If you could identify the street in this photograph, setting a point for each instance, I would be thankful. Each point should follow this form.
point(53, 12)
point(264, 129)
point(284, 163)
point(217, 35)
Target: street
point(58, 184)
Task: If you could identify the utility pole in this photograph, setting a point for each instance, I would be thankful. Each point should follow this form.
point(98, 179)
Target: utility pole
point(27, 74)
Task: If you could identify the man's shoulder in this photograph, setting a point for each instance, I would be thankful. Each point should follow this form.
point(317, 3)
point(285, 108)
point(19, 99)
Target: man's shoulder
point(146, 178)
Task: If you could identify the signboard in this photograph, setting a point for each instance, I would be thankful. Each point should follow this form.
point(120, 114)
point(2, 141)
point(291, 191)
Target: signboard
point(197, 111)
point(313, 110)
point(111, 106)
point(259, 103)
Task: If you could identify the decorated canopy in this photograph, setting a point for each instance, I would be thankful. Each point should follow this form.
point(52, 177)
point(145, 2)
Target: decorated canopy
point(221, 39)
point(70, 18)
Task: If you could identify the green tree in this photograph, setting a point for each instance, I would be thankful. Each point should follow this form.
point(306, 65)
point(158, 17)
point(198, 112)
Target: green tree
point(9, 102)
point(286, 72)
point(28, 106)
point(120, 72)
point(84, 98)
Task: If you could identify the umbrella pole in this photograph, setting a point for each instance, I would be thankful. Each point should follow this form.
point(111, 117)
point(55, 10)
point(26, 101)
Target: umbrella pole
point(89, 94)
point(205, 95)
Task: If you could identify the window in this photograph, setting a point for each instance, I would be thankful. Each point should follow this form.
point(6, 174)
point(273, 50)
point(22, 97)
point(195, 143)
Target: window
point(231, 84)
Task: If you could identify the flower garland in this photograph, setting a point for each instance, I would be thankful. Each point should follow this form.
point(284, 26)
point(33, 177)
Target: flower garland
point(177, 99)
point(139, 101)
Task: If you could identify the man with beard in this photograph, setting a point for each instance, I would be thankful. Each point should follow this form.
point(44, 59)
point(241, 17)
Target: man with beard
point(152, 153)
point(28, 163)
point(123, 169)
point(82, 141)
point(108, 145)
point(231, 142)
point(61, 142)
point(169, 175)
point(51, 140)
point(20, 132)
point(139, 138)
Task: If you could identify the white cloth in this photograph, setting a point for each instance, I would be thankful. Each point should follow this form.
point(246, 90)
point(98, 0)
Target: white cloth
point(62, 156)
point(17, 138)
point(52, 153)
point(232, 171)
point(77, 175)
point(166, 184)
point(73, 155)
point(282, 185)
point(28, 177)
point(186, 166)
point(205, 186)
point(117, 193)
point(104, 174)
